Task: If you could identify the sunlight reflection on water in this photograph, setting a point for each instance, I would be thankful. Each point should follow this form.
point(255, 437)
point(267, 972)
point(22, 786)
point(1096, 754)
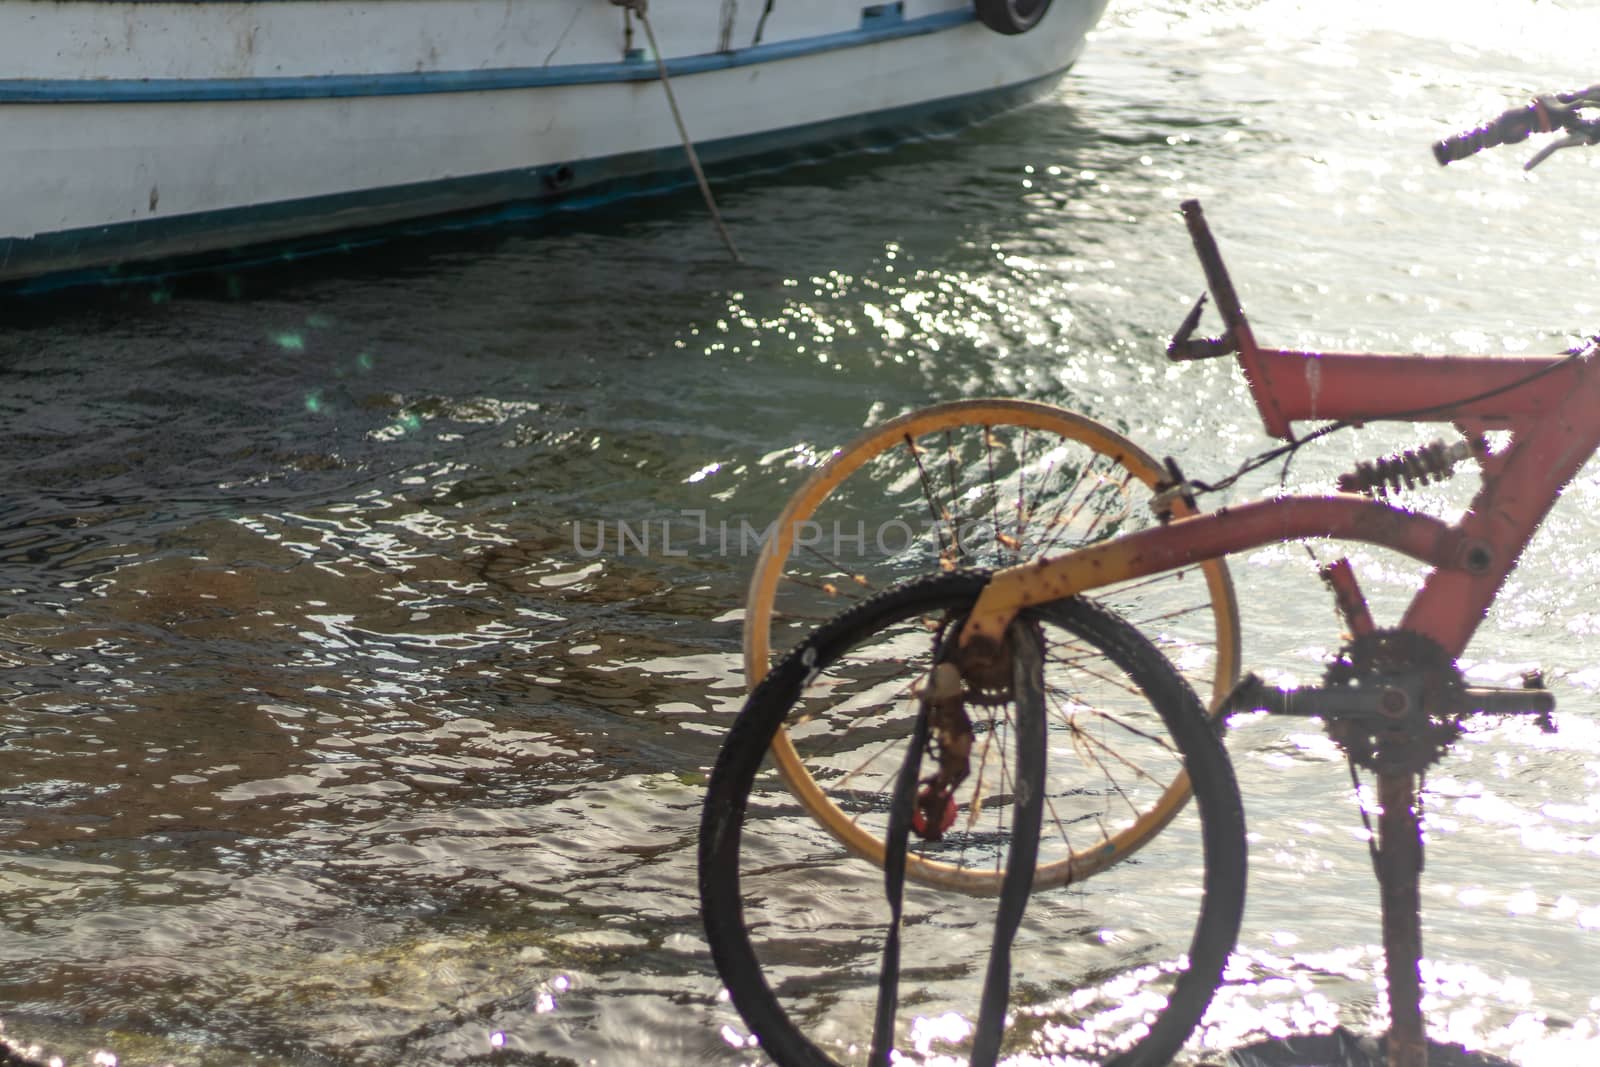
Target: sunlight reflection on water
point(322, 740)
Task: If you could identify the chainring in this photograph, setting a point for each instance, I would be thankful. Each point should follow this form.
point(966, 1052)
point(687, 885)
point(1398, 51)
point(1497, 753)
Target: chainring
point(1412, 738)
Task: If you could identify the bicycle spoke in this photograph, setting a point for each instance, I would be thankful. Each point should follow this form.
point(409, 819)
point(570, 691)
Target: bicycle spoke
point(1079, 736)
point(938, 514)
point(994, 489)
point(1176, 613)
point(1135, 731)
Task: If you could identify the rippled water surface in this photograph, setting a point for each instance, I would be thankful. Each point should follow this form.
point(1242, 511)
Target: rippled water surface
point(327, 736)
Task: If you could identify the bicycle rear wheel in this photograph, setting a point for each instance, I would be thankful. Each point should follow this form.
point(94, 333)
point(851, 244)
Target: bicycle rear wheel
point(967, 484)
point(795, 928)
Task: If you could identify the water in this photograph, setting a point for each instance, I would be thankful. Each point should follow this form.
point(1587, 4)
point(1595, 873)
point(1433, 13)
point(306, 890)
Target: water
point(324, 743)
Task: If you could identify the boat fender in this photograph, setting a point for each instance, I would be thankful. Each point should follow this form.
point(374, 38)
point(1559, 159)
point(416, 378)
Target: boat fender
point(1011, 16)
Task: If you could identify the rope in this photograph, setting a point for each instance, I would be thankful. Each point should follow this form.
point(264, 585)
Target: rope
point(761, 24)
point(638, 8)
point(1028, 684)
point(894, 884)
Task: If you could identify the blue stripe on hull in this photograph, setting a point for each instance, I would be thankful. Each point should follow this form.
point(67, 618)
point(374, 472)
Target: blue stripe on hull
point(155, 247)
point(406, 83)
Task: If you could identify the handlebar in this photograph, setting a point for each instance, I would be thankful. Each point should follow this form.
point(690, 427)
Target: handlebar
point(1558, 111)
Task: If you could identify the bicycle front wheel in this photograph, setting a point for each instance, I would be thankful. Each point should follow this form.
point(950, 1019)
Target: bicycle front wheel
point(796, 929)
point(967, 484)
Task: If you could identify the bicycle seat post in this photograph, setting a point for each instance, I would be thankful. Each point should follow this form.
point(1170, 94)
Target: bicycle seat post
point(1217, 279)
point(1238, 337)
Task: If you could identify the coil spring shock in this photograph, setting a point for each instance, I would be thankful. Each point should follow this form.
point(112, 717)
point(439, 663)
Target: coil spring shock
point(1431, 463)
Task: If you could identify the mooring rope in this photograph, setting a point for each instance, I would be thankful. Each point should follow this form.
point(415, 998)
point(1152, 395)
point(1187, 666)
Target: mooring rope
point(638, 7)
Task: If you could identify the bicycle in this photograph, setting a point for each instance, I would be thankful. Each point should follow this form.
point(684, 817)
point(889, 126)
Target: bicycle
point(1063, 738)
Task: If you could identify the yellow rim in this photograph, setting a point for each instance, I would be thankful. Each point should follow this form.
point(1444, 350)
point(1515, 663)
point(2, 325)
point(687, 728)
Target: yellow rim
point(762, 595)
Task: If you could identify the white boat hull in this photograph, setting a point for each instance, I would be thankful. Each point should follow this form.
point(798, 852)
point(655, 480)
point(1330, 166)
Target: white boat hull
point(150, 130)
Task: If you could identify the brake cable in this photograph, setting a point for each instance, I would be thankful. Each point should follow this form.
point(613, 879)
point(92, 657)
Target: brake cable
point(1287, 451)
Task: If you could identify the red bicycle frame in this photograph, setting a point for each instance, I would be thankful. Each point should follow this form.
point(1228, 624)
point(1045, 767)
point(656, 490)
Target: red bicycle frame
point(1550, 405)
point(1551, 408)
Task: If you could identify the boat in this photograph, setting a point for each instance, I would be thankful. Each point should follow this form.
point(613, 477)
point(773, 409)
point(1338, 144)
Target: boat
point(147, 132)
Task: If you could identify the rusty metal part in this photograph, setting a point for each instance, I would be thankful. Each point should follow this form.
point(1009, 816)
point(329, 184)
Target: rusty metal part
point(1185, 346)
point(1202, 537)
point(982, 676)
point(987, 670)
point(1341, 578)
point(1399, 876)
point(1417, 692)
point(950, 744)
point(951, 736)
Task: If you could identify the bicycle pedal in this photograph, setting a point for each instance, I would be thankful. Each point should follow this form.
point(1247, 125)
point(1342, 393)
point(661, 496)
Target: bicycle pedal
point(1534, 679)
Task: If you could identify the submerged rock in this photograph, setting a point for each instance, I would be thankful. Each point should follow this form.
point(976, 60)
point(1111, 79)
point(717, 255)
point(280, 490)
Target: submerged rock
point(1342, 1048)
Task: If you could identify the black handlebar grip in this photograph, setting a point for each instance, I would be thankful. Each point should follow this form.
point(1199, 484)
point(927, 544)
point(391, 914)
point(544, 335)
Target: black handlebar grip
point(1509, 128)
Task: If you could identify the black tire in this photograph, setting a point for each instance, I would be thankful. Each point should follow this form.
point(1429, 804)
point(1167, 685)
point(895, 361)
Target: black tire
point(1011, 16)
point(728, 802)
